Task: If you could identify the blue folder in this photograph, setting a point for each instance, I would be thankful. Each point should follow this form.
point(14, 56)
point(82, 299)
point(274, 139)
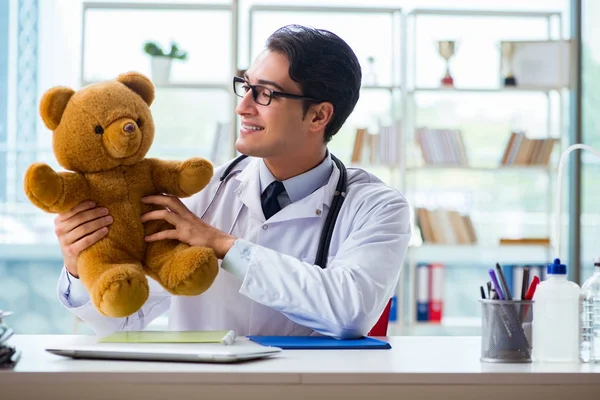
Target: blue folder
point(319, 342)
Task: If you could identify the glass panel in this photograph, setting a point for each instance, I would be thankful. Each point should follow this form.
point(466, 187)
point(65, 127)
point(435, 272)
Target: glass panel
point(590, 206)
point(376, 39)
point(188, 122)
point(200, 33)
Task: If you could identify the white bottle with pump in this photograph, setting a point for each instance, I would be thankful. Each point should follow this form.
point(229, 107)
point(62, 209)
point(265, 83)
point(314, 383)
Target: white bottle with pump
point(556, 317)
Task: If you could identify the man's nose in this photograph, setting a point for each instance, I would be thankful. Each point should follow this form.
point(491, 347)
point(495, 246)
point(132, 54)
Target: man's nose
point(246, 105)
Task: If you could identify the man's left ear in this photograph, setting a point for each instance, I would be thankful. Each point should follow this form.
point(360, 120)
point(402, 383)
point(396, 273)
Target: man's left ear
point(321, 115)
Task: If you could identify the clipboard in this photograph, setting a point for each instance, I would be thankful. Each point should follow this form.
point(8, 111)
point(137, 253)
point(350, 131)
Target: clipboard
point(319, 343)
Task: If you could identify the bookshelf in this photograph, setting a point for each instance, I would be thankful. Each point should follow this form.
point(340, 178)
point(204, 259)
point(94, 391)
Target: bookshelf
point(447, 162)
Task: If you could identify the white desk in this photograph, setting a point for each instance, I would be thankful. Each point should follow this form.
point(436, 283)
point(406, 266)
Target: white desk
point(415, 367)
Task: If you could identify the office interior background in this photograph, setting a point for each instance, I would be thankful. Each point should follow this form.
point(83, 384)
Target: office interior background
point(446, 148)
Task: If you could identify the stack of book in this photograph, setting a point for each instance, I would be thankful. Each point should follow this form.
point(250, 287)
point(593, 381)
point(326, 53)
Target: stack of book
point(445, 227)
point(521, 150)
point(442, 146)
point(9, 356)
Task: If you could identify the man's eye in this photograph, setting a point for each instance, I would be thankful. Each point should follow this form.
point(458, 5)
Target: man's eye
point(245, 88)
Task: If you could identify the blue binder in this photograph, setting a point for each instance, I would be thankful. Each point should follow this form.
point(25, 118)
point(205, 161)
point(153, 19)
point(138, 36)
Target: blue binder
point(319, 342)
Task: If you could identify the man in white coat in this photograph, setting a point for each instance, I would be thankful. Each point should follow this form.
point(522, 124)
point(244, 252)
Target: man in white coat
point(264, 220)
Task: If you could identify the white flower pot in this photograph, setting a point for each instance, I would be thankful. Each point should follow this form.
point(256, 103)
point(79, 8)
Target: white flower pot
point(161, 70)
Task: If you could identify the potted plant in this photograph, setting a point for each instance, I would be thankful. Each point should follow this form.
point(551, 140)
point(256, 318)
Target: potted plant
point(161, 61)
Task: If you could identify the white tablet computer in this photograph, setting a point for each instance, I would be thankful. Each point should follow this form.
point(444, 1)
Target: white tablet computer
point(161, 352)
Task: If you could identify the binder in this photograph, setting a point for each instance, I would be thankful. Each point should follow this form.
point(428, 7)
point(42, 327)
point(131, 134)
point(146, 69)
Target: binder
point(319, 342)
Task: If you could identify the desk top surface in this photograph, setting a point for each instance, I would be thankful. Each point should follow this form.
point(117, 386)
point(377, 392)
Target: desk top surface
point(412, 360)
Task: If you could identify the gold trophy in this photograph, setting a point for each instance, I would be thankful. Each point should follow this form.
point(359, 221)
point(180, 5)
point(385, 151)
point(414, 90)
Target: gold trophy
point(508, 51)
point(446, 49)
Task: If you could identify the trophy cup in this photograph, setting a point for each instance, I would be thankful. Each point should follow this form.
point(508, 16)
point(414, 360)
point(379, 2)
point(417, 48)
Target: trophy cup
point(508, 51)
point(446, 49)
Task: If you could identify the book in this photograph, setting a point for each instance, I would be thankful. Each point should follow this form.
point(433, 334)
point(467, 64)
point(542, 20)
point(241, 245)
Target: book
point(319, 342)
point(224, 337)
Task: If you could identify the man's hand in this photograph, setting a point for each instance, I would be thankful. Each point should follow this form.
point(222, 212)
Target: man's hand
point(78, 229)
point(188, 227)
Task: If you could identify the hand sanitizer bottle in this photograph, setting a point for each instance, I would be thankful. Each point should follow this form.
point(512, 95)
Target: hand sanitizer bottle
point(556, 317)
point(589, 307)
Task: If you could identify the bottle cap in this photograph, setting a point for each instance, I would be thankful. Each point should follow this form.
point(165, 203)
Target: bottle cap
point(597, 261)
point(556, 268)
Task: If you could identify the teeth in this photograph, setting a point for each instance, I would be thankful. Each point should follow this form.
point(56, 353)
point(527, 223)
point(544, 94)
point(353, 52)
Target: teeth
point(252, 128)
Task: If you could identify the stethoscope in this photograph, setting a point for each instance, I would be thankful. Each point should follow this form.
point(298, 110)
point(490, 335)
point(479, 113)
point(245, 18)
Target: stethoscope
point(336, 205)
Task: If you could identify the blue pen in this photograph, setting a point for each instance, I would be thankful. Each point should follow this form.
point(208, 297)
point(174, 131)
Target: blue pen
point(495, 283)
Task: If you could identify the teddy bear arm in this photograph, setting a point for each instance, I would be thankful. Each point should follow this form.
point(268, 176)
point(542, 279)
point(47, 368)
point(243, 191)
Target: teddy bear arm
point(181, 179)
point(165, 176)
point(75, 190)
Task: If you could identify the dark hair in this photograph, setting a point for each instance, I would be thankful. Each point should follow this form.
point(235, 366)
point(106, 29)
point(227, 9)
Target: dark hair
point(324, 66)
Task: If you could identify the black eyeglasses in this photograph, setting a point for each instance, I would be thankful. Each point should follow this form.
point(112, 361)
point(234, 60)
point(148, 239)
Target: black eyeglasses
point(262, 94)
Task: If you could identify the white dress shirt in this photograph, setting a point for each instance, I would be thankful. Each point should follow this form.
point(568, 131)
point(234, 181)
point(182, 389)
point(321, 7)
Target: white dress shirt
point(268, 283)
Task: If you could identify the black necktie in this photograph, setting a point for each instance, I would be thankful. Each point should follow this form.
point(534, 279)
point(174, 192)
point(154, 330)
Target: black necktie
point(270, 205)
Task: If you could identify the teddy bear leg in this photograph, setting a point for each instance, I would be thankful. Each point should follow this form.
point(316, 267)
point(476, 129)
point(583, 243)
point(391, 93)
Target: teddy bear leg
point(181, 269)
point(116, 289)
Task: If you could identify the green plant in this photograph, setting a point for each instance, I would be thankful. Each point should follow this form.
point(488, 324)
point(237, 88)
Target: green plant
point(154, 50)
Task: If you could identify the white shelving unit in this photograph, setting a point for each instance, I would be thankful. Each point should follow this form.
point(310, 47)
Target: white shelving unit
point(469, 254)
point(231, 7)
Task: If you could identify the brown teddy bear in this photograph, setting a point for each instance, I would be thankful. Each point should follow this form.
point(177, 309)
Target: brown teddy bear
point(102, 133)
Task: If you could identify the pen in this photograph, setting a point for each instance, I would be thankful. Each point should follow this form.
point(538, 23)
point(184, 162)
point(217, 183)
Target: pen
point(482, 292)
point(525, 283)
point(505, 287)
point(495, 283)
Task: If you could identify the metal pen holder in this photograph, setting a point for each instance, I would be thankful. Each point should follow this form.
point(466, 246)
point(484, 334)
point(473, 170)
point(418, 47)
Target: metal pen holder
point(506, 331)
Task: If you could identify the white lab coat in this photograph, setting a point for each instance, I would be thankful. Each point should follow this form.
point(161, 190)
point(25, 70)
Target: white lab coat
point(283, 293)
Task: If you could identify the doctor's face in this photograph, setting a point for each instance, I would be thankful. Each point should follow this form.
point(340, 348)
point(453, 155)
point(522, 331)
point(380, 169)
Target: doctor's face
point(279, 129)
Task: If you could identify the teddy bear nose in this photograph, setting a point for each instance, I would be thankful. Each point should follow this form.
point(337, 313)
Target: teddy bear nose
point(129, 128)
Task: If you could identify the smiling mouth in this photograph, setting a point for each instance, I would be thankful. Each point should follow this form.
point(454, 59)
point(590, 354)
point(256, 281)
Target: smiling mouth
point(252, 128)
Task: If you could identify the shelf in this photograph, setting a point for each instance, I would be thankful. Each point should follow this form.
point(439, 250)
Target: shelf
point(480, 254)
point(480, 169)
point(181, 85)
point(381, 87)
point(517, 89)
point(453, 322)
point(30, 252)
point(483, 13)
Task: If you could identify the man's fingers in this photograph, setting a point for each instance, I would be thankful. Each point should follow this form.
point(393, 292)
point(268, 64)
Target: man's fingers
point(163, 235)
point(87, 241)
point(171, 202)
point(80, 219)
point(87, 228)
point(86, 205)
point(160, 214)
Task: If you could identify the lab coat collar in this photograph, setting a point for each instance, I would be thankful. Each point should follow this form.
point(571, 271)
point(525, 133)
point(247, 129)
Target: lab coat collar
point(312, 206)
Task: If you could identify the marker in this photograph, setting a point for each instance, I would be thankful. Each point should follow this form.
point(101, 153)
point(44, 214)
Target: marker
point(482, 292)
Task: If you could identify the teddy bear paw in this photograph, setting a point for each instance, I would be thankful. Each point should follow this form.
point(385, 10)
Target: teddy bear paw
point(121, 290)
point(43, 185)
point(189, 272)
point(194, 175)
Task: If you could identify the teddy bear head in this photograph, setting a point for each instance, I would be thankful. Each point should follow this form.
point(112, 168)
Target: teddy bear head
point(101, 126)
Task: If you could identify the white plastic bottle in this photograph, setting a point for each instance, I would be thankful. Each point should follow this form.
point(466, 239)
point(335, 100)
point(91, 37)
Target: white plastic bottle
point(556, 317)
point(589, 307)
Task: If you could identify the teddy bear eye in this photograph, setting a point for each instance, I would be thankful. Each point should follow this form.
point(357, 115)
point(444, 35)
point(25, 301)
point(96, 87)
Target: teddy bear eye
point(99, 130)
point(139, 123)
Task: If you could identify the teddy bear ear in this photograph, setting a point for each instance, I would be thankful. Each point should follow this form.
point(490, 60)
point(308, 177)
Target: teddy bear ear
point(139, 84)
point(53, 105)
